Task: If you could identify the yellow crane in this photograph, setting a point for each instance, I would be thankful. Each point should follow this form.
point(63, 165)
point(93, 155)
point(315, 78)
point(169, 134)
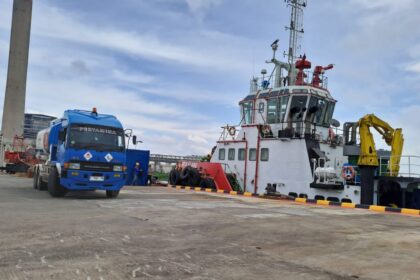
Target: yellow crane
point(393, 137)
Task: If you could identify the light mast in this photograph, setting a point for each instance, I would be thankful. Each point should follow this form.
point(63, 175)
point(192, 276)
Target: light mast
point(296, 29)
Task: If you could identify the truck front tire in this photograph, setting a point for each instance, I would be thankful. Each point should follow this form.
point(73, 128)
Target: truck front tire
point(54, 187)
point(112, 194)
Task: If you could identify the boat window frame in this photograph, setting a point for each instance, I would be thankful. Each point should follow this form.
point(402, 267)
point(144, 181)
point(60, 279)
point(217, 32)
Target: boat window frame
point(329, 113)
point(252, 154)
point(233, 154)
point(281, 103)
point(267, 151)
point(220, 153)
point(241, 154)
point(261, 107)
point(247, 105)
point(292, 96)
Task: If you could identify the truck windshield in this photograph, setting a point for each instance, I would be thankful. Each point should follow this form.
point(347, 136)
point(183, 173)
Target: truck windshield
point(101, 138)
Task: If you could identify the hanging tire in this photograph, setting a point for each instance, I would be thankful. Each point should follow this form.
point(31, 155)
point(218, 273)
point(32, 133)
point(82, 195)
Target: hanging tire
point(112, 194)
point(174, 177)
point(54, 187)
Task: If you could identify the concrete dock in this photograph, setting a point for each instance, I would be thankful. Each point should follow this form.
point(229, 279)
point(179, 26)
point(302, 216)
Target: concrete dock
point(162, 233)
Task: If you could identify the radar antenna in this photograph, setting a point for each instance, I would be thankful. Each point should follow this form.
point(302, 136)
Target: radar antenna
point(296, 29)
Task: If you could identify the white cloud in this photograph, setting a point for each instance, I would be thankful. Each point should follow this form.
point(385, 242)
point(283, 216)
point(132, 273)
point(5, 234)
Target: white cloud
point(201, 6)
point(136, 78)
point(414, 67)
point(145, 45)
point(388, 4)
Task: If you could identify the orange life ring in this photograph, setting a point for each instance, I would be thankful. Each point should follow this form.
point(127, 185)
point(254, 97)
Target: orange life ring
point(231, 131)
point(348, 172)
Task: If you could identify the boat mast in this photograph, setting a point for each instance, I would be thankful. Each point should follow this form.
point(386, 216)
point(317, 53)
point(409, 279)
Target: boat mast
point(296, 29)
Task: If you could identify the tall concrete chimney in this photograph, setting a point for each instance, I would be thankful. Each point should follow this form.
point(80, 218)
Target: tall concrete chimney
point(14, 99)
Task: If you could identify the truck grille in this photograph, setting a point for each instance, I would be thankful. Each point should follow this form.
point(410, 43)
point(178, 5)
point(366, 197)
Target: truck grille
point(96, 166)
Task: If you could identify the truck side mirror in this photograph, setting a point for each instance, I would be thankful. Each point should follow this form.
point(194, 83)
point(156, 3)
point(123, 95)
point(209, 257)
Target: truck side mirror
point(134, 139)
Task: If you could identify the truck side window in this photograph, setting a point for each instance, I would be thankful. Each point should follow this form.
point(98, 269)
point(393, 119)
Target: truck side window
point(62, 135)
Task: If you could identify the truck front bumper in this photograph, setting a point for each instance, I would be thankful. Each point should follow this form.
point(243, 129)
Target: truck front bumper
point(91, 180)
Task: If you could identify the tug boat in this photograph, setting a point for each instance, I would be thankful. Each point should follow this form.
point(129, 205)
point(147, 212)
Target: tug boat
point(287, 141)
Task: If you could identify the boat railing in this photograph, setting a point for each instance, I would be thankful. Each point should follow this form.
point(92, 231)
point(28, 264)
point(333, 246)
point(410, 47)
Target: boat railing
point(409, 166)
point(267, 82)
point(289, 130)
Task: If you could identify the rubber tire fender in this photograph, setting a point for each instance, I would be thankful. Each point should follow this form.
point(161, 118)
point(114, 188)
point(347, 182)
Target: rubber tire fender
point(185, 173)
point(174, 177)
point(194, 178)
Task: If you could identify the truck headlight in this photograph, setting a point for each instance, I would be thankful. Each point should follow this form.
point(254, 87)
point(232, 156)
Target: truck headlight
point(118, 168)
point(74, 165)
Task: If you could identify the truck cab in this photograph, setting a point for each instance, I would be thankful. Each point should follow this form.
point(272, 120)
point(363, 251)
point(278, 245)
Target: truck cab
point(86, 151)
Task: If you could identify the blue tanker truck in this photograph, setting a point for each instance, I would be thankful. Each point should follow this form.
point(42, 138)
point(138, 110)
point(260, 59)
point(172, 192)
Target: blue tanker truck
point(81, 151)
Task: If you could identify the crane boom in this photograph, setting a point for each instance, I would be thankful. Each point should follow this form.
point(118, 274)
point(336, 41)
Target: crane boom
point(393, 137)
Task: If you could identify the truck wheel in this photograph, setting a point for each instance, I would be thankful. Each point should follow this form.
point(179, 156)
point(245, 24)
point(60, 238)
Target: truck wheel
point(42, 186)
point(54, 187)
point(35, 181)
point(112, 194)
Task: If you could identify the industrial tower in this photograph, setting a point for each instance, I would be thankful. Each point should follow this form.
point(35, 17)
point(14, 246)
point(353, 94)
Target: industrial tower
point(14, 99)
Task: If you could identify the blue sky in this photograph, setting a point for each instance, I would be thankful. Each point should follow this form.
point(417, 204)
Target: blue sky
point(174, 70)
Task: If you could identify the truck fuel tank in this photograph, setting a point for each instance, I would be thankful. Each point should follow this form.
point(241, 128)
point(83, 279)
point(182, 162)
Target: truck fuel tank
point(42, 140)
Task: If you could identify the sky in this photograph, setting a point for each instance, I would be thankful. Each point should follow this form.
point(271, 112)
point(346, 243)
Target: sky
point(175, 70)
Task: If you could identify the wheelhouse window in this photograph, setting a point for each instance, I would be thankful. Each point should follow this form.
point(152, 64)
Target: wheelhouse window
point(312, 109)
point(231, 154)
point(264, 154)
point(252, 154)
point(276, 109)
point(320, 114)
point(272, 111)
point(284, 100)
point(247, 112)
point(329, 113)
point(241, 154)
point(222, 153)
point(261, 107)
point(96, 137)
point(298, 107)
